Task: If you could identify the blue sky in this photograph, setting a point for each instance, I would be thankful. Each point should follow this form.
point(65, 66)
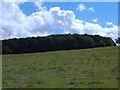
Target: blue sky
point(104, 11)
point(28, 19)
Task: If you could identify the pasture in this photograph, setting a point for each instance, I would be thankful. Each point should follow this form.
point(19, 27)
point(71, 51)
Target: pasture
point(85, 68)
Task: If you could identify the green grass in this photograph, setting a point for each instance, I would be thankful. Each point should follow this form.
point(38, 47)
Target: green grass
point(85, 68)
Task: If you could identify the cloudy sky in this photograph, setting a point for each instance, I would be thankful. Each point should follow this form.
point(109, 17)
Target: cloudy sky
point(26, 19)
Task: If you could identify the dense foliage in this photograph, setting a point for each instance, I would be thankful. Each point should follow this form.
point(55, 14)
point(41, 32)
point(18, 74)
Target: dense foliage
point(54, 42)
point(118, 40)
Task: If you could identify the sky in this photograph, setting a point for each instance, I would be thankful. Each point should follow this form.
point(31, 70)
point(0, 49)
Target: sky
point(27, 19)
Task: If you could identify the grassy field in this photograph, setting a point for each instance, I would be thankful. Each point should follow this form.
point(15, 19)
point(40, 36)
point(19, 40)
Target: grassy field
point(86, 68)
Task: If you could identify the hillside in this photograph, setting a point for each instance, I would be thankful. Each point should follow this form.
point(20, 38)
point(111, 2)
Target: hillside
point(83, 68)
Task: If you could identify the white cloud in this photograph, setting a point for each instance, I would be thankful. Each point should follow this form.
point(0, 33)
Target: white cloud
point(109, 23)
point(81, 7)
point(16, 24)
point(91, 9)
point(15, 1)
point(95, 20)
point(20, 1)
point(39, 5)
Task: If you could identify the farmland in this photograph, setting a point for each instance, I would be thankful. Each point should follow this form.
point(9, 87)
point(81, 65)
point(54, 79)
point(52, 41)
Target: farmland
point(85, 68)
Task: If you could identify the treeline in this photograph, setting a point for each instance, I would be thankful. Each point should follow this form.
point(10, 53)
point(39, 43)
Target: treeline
point(54, 43)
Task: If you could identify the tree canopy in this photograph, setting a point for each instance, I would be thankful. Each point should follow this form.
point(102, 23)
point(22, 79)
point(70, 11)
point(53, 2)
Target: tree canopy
point(118, 40)
point(54, 43)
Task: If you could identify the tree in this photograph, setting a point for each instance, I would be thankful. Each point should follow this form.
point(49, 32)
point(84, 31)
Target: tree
point(55, 42)
point(108, 41)
point(118, 41)
point(6, 49)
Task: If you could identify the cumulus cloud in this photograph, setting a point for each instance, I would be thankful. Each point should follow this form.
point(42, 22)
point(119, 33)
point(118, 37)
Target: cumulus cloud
point(15, 1)
point(95, 20)
point(39, 5)
point(109, 23)
point(91, 9)
point(81, 7)
point(20, 1)
point(16, 24)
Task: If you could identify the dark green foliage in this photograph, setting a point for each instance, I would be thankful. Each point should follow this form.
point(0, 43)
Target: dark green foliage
point(6, 49)
point(118, 40)
point(54, 42)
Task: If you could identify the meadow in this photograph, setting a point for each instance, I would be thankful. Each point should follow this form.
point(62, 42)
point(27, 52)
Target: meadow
point(85, 68)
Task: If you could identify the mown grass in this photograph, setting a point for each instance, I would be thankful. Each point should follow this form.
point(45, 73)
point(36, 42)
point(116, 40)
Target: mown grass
point(85, 68)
